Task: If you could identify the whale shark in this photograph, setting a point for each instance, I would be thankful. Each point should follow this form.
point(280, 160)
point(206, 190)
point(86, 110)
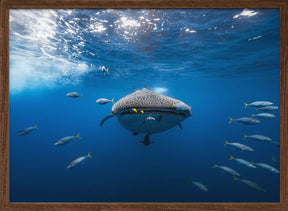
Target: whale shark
point(133, 110)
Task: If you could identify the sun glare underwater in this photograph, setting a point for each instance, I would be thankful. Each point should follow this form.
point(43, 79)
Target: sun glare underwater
point(144, 105)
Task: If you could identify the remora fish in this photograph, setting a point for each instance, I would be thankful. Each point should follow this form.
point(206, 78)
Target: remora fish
point(150, 103)
point(149, 118)
point(27, 130)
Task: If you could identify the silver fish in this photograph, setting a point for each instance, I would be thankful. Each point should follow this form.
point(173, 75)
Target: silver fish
point(245, 120)
point(258, 104)
point(66, 140)
point(227, 170)
point(268, 108)
point(105, 70)
point(200, 186)
point(251, 184)
point(268, 167)
point(73, 95)
point(258, 138)
point(27, 130)
point(103, 101)
point(263, 115)
point(239, 146)
point(242, 162)
point(78, 161)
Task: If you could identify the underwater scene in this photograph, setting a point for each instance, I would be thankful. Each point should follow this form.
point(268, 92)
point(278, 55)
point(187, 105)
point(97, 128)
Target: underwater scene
point(144, 105)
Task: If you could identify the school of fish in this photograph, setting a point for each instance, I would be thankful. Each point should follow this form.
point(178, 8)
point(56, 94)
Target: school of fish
point(262, 106)
point(155, 117)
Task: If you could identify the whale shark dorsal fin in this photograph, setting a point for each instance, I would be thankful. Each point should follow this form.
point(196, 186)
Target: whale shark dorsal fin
point(107, 117)
point(180, 126)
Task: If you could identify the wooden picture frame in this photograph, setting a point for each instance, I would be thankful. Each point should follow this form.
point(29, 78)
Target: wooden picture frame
point(4, 102)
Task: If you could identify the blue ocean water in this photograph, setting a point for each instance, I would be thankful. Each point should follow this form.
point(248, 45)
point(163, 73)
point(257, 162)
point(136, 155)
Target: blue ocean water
point(214, 60)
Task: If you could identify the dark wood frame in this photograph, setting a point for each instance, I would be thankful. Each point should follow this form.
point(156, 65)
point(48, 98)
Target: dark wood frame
point(4, 101)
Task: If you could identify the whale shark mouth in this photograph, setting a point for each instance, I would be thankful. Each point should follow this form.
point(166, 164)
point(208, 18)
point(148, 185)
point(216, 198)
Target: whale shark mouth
point(153, 111)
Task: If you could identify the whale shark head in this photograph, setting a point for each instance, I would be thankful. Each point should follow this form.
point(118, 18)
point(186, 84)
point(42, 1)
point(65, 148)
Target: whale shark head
point(133, 109)
point(148, 100)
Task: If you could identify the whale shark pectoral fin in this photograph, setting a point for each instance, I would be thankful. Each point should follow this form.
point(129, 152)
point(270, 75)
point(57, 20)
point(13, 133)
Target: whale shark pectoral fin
point(107, 117)
point(180, 126)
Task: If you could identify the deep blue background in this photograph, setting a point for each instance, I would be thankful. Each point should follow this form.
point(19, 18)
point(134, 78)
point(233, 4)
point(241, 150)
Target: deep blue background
point(214, 70)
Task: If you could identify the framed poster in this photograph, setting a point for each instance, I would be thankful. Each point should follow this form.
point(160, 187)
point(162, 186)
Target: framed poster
point(127, 105)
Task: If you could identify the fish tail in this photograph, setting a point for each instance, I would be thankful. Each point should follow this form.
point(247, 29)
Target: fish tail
point(252, 115)
point(226, 142)
point(215, 166)
point(231, 157)
point(78, 136)
point(230, 120)
point(245, 105)
point(89, 155)
point(113, 101)
point(36, 126)
point(245, 136)
point(107, 70)
point(234, 178)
